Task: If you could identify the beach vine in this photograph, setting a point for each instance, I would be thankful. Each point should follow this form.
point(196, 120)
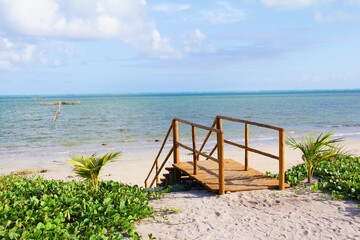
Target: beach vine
point(35, 208)
point(340, 176)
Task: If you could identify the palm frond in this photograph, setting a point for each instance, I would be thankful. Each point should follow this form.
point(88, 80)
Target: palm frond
point(89, 167)
point(316, 149)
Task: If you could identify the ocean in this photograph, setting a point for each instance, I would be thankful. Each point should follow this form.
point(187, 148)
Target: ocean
point(136, 122)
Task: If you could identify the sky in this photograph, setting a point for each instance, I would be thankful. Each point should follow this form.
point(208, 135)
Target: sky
point(138, 46)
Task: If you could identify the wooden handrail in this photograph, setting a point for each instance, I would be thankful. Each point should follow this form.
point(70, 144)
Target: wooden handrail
point(247, 148)
point(155, 164)
point(198, 125)
point(252, 149)
point(162, 166)
point(249, 122)
point(175, 149)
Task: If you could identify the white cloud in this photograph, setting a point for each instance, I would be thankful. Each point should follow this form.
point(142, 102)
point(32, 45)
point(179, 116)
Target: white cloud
point(289, 4)
point(338, 16)
point(18, 53)
point(170, 7)
point(162, 47)
point(223, 14)
point(12, 53)
point(80, 19)
point(125, 20)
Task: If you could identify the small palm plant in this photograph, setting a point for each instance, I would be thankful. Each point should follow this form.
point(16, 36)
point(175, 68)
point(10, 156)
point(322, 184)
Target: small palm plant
point(89, 167)
point(315, 149)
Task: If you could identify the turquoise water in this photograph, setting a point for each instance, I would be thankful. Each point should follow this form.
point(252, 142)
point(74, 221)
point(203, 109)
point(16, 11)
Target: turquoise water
point(135, 122)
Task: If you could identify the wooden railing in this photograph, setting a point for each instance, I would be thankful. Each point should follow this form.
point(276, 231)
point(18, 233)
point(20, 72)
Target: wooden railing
point(219, 146)
point(175, 150)
point(155, 165)
point(248, 149)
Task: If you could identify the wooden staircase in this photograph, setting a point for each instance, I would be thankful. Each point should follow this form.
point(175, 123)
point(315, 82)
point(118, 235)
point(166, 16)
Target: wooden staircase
point(212, 169)
point(171, 177)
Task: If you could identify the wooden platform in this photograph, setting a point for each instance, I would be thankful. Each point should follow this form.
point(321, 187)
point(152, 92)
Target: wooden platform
point(236, 178)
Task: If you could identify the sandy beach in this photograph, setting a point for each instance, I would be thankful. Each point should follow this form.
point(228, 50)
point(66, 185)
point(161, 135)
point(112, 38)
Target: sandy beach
point(264, 214)
point(270, 214)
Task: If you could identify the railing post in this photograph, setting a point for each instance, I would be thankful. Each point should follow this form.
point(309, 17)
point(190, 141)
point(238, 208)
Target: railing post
point(220, 150)
point(246, 146)
point(176, 140)
point(195, 157)
point(281, 160)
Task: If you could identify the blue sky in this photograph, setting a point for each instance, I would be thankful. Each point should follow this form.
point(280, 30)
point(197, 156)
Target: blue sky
point(132, 46)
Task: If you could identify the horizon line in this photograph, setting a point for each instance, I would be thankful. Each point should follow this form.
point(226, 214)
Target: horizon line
point(187, 92)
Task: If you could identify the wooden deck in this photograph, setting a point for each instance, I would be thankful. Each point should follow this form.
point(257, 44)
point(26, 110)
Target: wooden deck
point(236, 178)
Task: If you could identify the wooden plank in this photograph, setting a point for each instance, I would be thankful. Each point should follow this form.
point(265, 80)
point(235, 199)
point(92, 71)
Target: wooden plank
point(236, 178)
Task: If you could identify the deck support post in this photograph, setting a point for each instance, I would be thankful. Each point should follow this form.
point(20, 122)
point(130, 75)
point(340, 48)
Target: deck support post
point(176, 153)
point(220, 151)
point(246, 146)
point(176, 140)
point(281, 160)
point(195, 155)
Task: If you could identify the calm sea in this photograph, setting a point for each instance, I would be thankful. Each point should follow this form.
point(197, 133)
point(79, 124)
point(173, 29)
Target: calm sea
point(135, 122)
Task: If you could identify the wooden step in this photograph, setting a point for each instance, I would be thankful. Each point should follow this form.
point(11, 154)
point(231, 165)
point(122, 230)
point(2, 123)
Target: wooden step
point(169, 169)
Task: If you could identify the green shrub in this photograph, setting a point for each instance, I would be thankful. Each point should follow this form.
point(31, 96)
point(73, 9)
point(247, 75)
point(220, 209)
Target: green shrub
point(48, 209)
point(341, 176)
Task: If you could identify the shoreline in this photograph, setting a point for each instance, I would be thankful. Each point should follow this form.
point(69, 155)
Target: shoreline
point(133, 166)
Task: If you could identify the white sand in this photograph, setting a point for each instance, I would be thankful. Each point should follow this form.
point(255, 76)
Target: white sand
point(265, 214)
point(246, 215)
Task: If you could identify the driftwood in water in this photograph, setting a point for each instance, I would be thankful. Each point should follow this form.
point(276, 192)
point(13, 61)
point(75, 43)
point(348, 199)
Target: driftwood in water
point(59, 103)
point(56, 103)
point(57, 113)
